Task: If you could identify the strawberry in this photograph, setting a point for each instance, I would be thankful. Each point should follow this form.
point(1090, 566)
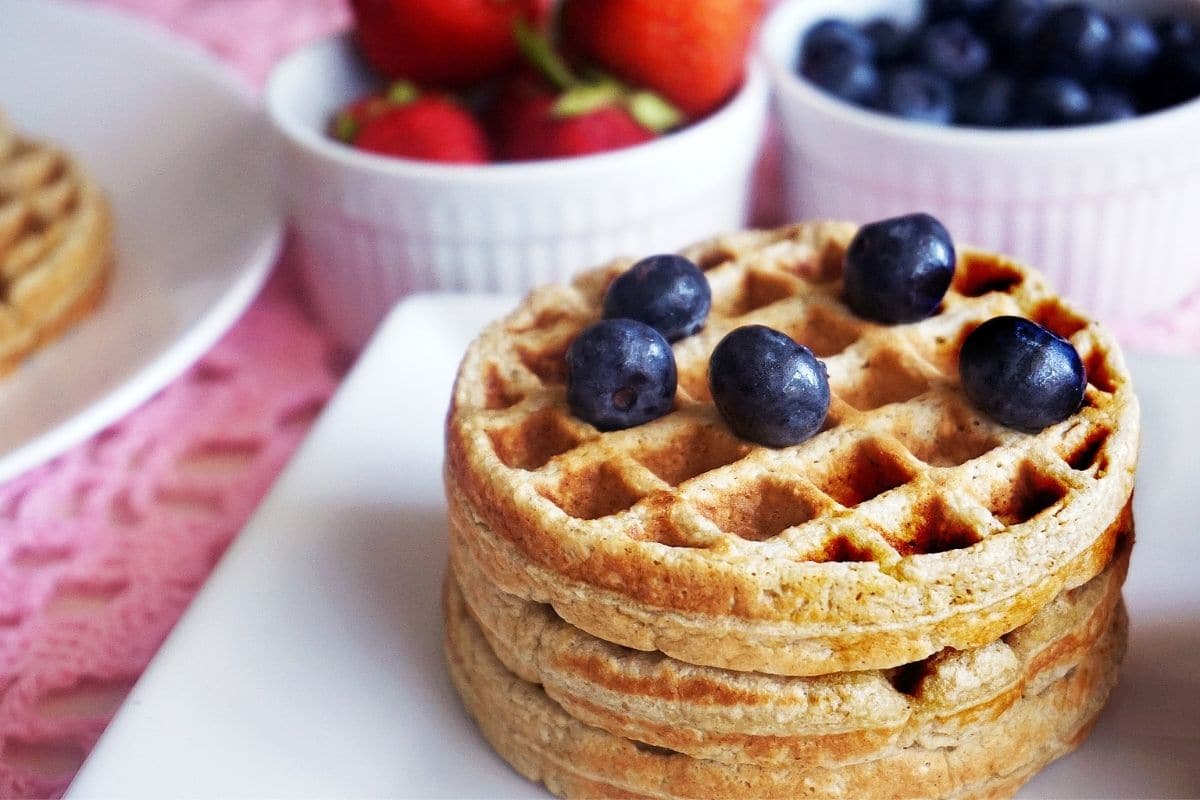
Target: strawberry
point(692, 52)
point(557, 115)
point(536, 129)
point(350, 120)
point(442, 42)
point(408, 124)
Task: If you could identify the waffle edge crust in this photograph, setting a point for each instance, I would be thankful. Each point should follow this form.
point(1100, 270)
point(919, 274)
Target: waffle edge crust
point(826, 721)
point(909, 524)
point(573, 759)
point(56, 248)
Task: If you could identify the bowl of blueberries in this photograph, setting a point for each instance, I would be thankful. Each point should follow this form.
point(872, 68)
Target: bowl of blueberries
point(1065, 133)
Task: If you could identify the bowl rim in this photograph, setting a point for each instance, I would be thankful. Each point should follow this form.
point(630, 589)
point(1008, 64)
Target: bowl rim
point(749, 103)
point(784, 26)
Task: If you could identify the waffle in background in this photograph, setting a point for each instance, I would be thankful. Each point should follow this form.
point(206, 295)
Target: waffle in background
point(915, 601)
point(55, 245)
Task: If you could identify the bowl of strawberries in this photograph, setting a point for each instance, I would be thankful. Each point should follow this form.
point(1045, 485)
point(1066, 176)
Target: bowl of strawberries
point(483, 146)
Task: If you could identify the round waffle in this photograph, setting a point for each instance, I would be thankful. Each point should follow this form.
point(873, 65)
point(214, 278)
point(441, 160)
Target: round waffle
point(545, 743)
point(827, 721)
point(910, 523)
point(55, 245)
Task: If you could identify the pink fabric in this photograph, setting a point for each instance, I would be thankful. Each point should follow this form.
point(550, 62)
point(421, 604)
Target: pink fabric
point(102, 549)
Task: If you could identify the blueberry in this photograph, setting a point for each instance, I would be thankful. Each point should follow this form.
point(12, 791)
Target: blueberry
point(1181, 71)
point(953, 50)
point(951, 9)
point(1135, 48)
point(620, 373)
point(898, 270)
point(1073, 39)
point(1020, 374)
point(1012, 25)
point(1187, 69)
point(1177, 33)
point(1111, 105)
point(844, 72)
point(832, 36)
point(917, 94)
point(768, 389)
point(667, 292)
point(840, 58)
point(1056, 101)
point(889, 41)
point(987, 101)
point(1176, 77)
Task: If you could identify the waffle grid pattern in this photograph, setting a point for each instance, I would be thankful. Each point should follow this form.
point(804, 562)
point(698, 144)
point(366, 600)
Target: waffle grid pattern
point(871, 487)
point(897, 421)
point(55, 244)
point(909, 523)
point(722, 618)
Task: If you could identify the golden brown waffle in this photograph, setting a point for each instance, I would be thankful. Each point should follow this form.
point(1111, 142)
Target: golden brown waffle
point(826, 721)
point(55, 245)
point(911, 523)
point(545, 743)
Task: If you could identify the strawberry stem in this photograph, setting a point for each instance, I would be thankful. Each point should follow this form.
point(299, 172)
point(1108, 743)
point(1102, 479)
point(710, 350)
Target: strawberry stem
point(653, 112)
point(586, 98)
point(541, 54)
point(403, 92)
point(345, 127)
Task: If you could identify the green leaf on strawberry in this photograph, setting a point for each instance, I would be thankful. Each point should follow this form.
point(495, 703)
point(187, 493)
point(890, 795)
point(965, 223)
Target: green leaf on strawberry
point(585, 98)
point(402, 92)
point(595, 90)
point(654, 112)
point(345, 127)
point(539, 52)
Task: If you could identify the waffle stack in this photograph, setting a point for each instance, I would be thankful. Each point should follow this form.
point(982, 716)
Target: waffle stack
point(55, 245)
point(916, 602)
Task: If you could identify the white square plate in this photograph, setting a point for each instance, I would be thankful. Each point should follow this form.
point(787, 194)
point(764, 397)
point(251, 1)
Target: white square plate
point(310, 665)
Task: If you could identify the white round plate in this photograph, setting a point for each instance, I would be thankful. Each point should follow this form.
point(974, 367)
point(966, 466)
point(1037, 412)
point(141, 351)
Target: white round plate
point(183, 152)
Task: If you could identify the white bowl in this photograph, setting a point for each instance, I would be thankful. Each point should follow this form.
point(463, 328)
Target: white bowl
point(372, 228)
point(1109, 212)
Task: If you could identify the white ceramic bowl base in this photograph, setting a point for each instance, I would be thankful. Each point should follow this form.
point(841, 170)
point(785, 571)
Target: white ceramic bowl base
point(371, 229)
point(1108, 212)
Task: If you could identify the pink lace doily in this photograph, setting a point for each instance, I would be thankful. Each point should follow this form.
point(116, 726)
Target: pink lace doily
point(102, 549)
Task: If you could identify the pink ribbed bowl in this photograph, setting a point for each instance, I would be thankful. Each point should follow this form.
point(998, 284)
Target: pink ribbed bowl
point(370, 228)
point(1111, 213)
